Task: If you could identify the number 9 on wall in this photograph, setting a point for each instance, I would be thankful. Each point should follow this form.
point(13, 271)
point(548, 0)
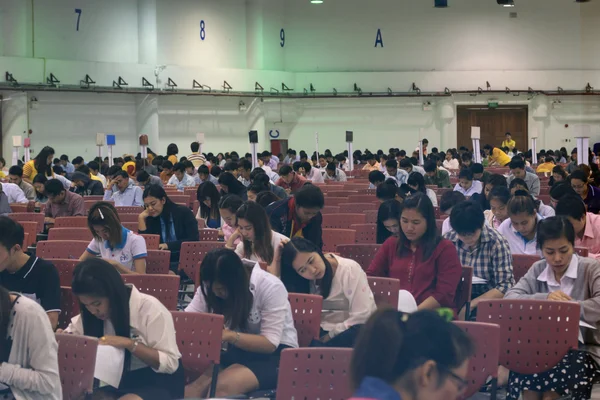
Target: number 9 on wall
point(282, 37)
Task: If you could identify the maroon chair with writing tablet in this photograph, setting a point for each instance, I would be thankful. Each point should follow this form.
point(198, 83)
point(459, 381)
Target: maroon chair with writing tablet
point(76, 363)
point(306, 311)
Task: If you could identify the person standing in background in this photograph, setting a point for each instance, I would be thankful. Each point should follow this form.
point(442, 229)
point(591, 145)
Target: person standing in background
point(172, 151)
point(196, 158)
point(508, 141)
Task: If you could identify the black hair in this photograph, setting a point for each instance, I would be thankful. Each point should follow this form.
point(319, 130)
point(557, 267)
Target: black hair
point(488, 147)
point(571, 206)
point(230, 166)
point(466, 218)
point(208, 190)
point(561, 189)
point(331, 167)
point(64, 157)
point(53, 187)
point(77, 160)
point(477, 168)
point(172, 150)
point(517, 164)
point(84, 169)
point(264, 199)
point(179, 167)
point(392, 163)
point(500, 193)
point(307, 167)
point(387, 191)
point(450, 199)
point(223, 266)
point(93, 165)
point(142, 176)
point(406, 163)
point(285, 170)
point(416, 179)
point(521, 204)
point(555, 228)
point(245, 164)
point(233, 185)
point(159, 193)
point(40, 178)
point(195, 146)
point(293, 282)
point(40, 162)
point(465, 173)
point(389, 209)
point(105, 214)
point(519, 182)
point(167, 164)
point(430, 238)
point(261, 246)
point(580, 175)
point(12, 233)
point(16, 170)
point(310, 196)
point(257, 188)
point(122, 174)
point(430, 166)
point(203, 169)
point(376, 176)
point(230, 202)
point(497, 180)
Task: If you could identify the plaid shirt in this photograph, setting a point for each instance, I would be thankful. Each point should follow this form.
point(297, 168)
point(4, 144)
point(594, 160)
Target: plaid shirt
point(491, 260)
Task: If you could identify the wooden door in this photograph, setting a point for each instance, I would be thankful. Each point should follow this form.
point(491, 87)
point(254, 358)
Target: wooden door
point(494, 123)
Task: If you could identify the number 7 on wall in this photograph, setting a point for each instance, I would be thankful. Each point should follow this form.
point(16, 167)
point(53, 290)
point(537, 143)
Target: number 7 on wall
point(78, 12)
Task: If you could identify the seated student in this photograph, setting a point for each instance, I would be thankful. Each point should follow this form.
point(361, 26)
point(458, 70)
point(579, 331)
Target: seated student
point(450, 162)
point(347, 298)
point(204, 175)
point(435, 176)
point(479, 174)
point(259, 242)
point(114, 243)
point(376, 178)
point(12, 193)
point(245, 171)
point(392, 171)
point(542, 209)
point(30, 352)
point(228, 206)
point(255, 189)
point(94, 167)
point(466, 160)
point(332, 173)
point(439, 352)
point(61, 202)
point(208, 196)
point(230, 185)
point(167, 171)
point(517, 169)
point(38, 184)
point(562, 276)
point(120, 316)
point(265, 199)
point(232, 167)
point(85, 186)
point(426, 265)
point(417, 183)
point(289, 180)
point(482, 248)
point(123, 191)
point(498, 212)
point(496, 156)
point(258, 323)
point(585, 224)
point(494, 180)
point(547, 166)
point(388, 220)
point(313, 174)
point(447, 203)
point(174, 223)
point(521, 226)
point(466, 185)
point(590, 194)
point(35, 278)
point(299, 215)
point(558, 175)
point(180, 178)
point(372, 164)
point(258, 176)
point(15, 175)
point(390, 191)
point(144, 179)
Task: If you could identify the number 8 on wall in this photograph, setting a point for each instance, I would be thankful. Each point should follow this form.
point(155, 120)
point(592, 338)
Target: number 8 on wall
point(202, 30)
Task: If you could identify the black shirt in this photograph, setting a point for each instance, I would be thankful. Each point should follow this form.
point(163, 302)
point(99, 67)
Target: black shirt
point(38, 280)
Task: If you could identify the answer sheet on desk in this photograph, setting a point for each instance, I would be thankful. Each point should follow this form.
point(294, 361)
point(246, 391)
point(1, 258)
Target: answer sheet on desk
point(109, 365)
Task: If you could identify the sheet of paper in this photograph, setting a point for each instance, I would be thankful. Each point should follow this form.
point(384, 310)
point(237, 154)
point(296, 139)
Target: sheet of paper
point(584, 324)
point(109, 365)
point(478, 281)
point(406, 302)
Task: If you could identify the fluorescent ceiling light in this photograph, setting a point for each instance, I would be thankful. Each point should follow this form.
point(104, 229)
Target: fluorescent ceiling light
point(316, 1)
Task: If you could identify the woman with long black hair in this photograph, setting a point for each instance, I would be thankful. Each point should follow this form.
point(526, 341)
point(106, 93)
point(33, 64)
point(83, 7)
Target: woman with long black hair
point(41, 164)
point(122, 317)
point(388, 220)
point(230, 185)
point(208, 197)
point(417, 183)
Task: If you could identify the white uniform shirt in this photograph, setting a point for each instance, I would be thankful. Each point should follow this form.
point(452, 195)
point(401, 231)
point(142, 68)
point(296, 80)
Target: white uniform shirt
point(567, 282)
point(187, 181)
point(132, 247)
point(14, 193)
point(476, 187)
point(276, 238)
point(519, 244)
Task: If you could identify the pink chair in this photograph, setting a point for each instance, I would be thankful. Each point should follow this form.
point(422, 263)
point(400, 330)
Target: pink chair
point(19, 208)
point(535, 334)
point(464, 291)
point(94, 198)
point(132, 226)
point(181, 198)
point(69, 307)
point(330, 210)
point(365, 233)
point(69, 249)
point(314, 373)
point(484, 362)
point(164, 287)
point(208, 235)
point(385, 291)
point(23, 217)
point(342, 221)
point(70, 234)
point(158, 262)
point(65, 269)
point(330, 200)
point(306, 311)
point(30, 229)
point(191, 256)
point(199, 341)
point(70, 222)
point(342, 193)
point(363, 254)
point(357, 208)
point(129, 210)
point(439, 224)
point(522, 263)
point(129, 217)
point(582, 252)
point(76, 362)
point(152, 241)
point(371, 216)
point(334, 237)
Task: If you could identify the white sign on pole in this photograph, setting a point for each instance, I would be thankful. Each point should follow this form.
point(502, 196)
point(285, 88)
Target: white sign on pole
point(476, 137)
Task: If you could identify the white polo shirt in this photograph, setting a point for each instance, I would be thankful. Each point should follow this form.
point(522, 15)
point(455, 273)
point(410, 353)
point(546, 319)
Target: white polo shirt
point(132, 247)
point(276, 238)
point(476, 187)
point(517, 242)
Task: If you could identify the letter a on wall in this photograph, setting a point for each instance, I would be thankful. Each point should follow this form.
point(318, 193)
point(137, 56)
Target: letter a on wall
point(379, 38)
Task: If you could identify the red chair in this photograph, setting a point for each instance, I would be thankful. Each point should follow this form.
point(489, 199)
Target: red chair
point(521, 264)
point(342, 221)
point(25, 217)
point(371, 216)
point(152, 241)
point(365, 233)
point(439, 224)
point(158, 262)
point(545, 198)
point(90, 203)
point(132, 226)
point(181, 198)
point(201, 224)
point(306, 311)
point(331, 186)
point(199, 341)
point(70, 222)
point(314, 373)
point(330, 210)
point(69, 249)
point(69, 307)
point(124, 217)
point(464, 291)
point(208, 235)
point(30, 229)
point(164, 287)
point(484, 362)
point(191, 256)
point(357, 208)
point(129, 210)
point(65, 269)
point(70, 234)
point(582, 252)
point(342, 193)
point(335, 201)
point(18, 208)
point(438, 213)
point(76, 362)
point(94, 198)
point(385, 291)
point(545, 190)
point(535, 334)
point(363, 254)
point(334, 237)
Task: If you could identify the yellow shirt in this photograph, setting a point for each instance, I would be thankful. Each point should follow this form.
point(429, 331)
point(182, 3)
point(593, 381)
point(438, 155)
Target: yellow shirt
point(499, 157)
point(545, 167)
point(375, 167)
point(173, 159)
point(29, 171)
point(509, 143)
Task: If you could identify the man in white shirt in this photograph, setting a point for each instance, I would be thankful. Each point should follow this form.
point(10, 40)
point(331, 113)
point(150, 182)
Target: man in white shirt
point(335, 174)
point(123, 191)
point(13, 193)
point(180, 178)
point(15, 175)
point(205, 175)
point(343, 162)
point(392, 171)
point(312, 174)
point(466, 185)
point(244, 172)
point(409, 167)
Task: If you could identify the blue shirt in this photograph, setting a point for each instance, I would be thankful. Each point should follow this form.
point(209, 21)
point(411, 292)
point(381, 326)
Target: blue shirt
point(375, 388)
point(131, 196)
point(171, 236)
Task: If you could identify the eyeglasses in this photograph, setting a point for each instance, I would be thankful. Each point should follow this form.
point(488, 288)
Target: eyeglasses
point(461, 384)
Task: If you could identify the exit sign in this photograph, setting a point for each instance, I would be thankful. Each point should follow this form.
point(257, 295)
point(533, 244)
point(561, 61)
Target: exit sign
point(493, 104)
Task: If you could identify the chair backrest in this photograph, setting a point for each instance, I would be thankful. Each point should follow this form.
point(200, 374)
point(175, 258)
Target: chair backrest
point(191, 256)
point(306, 311)
point(129, 217)
point(90, 203)
point(181, 198)
point(330, 210)
point(199, 341)
point(76, 363)
point(132, 226)
point(464, 289)
point(371, 216)
point(362, 253)
point(65, 269)
point(70, 234)
point(208, 235)
point(581, 251)
point(69, 307)
point(342, 193)
point(365, 233)
point(30, 229)
point(361, 197)
point(357, 208)
point(484, 362)
point(152, 241)
point(129, 210)
point(94, 198)
point(158, 262)
point(334, 237)
point(385, 291)
point(19, 208)
point(342, 221)
point(330, 200)
point(521, 264)
point(314, 373)
point(164, 287)
point(69, 249)
point(70, 222)
point(535, 334)
point(35, 217)
point(439, 224)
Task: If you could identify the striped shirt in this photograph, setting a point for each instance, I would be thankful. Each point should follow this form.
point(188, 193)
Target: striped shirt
point(197, 159)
